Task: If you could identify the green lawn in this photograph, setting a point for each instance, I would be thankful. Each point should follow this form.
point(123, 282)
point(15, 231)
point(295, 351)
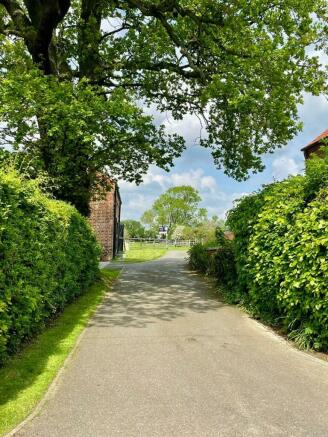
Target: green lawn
point(26, 377)
point(141, 252)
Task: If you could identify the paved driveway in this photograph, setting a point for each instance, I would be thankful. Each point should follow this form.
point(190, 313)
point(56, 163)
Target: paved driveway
point(162, 357)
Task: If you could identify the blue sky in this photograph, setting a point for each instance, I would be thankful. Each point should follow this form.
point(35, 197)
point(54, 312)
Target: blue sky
point(195, 167)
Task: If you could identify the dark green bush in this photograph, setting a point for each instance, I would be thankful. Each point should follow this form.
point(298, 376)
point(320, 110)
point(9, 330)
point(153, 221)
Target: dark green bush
point(48, 256)
point(277, 266)
point(241, 220)
point(224, 265)
point(215, 259)
point(316, 171)
point(219, 236)
point(199, 258)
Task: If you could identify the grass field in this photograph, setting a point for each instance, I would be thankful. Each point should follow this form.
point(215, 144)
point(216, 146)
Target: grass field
point(141, 252)
point(27, 376)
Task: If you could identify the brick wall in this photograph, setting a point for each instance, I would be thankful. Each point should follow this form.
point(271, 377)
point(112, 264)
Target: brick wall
point(102, 218)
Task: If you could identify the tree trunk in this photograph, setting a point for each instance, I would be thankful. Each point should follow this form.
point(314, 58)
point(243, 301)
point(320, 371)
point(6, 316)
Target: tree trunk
point(65, 162)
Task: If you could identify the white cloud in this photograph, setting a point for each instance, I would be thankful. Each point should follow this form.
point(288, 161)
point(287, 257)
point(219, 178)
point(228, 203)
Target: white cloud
point(190, 128)
point(127, 186)
point(283, 167)
point(193, 177)
point(208, 182)
point(137, 203)
point(138, 199)
point(153, 177)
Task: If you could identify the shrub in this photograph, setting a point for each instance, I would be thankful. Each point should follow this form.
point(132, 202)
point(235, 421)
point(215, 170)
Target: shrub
point(224, 265)
point(281, 249)
point(316, 175)
point(241, 220)
point(199, 258)
point(219, 262)
point(303, 292)
point(280, 205)
point(48, 256)
point(279, 258)
point(219, 236)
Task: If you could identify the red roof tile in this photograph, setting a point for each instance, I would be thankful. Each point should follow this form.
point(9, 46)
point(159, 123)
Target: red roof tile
point(323, 135)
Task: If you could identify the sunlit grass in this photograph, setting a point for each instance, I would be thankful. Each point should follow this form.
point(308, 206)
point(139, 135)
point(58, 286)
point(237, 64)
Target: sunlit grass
point(26, 377)
point(141, 252)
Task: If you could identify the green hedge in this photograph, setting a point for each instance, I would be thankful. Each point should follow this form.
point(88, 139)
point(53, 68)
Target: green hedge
point(218, 262)
point(199, 258)
point(242, 220)
point(265, 247)
point(277, 266)
point(48, 256)
point(281, 249)
point(303, 291)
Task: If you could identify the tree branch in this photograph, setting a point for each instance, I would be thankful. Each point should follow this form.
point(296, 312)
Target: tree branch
point(45, 17)
point(113, 32)
point(20, 21)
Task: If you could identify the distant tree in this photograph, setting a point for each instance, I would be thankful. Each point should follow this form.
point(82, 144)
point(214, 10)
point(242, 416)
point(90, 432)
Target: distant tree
point(133, 229)
point(177, 206)
point(179, 232)
point(202, 215)
point(151, 232)
point(215, 218)
point(205, 231)
point(149, 218)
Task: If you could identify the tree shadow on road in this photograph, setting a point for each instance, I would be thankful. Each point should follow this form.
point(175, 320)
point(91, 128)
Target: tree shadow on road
point(143, 295)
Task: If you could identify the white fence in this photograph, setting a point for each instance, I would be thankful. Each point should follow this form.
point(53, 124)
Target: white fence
point(155, 241)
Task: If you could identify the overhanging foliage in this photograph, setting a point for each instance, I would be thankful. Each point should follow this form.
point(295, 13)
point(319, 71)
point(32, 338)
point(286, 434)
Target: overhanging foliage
point(242, 67)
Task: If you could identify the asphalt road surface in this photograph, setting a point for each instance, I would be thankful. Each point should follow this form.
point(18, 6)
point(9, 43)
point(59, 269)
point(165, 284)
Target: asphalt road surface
point(163, 357)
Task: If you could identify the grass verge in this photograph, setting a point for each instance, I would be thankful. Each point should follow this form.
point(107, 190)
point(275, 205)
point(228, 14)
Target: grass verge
point(142, 252)
point(139, 252)
point(27, 376)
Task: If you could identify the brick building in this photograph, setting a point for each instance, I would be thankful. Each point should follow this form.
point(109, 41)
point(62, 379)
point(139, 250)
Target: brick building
point(105, 219)
point(315, 146)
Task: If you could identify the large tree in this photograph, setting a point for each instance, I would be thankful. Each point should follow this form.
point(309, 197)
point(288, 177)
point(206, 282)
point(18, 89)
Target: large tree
point(177, 206)
point(73, 71)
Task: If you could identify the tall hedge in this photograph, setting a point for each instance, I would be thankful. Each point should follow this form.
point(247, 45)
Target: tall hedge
point(265, 247)
point(242, 219)
point(281, 248)
point(303, 291)
point(48, 256)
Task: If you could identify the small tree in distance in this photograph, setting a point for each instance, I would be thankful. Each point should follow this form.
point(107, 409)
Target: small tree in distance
point(177, 206)
point(133, 229)
point(204, 231)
